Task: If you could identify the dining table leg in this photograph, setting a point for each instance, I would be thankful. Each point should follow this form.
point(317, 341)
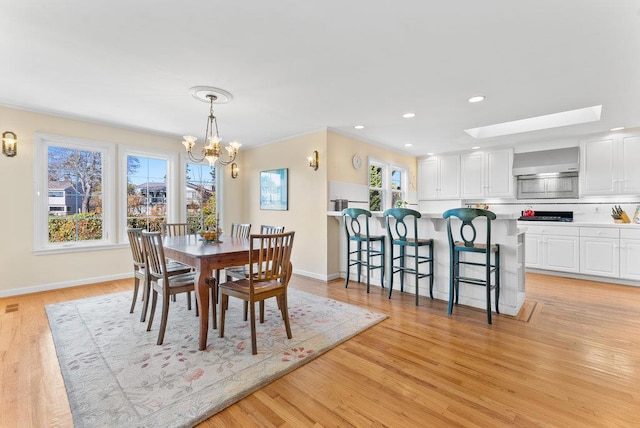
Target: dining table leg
point(202, 290)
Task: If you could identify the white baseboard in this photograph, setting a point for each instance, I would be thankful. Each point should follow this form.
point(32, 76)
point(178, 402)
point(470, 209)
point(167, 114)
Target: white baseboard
point(65, 284)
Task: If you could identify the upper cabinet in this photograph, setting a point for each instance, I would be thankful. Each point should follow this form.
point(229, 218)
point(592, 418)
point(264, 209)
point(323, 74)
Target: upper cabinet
point(439, 177)
point(609, 166)
point(487, 174)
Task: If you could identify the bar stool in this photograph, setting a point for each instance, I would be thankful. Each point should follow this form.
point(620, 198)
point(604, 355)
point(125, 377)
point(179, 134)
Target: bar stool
point(398, 236)
point(467, 244)
point(354, 233)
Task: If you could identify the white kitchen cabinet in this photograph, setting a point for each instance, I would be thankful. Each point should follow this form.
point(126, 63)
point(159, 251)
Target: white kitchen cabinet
point(439, 177)
point(609, 166)
point(553, 248)
point(487, 174)
point(630, 254)
point(599, 251)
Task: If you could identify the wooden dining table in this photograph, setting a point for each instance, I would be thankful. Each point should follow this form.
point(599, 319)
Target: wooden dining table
point(206, 258)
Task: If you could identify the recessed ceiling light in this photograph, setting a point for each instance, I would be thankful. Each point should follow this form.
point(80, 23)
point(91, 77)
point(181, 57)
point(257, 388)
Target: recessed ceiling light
point(619, 128)
point(475, 147)
point(409, 115)
point(430, 154)
point(359, 127)
point(476, 99)
point(408, 145)
point(555, 120)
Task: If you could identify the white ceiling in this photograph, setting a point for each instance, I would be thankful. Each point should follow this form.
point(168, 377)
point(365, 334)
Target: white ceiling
point(295, 66)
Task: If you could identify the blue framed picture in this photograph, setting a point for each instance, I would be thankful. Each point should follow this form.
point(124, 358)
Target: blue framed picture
point(274, 189)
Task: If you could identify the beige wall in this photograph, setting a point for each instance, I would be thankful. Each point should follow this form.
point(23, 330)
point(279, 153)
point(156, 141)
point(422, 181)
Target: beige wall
point(307, 213)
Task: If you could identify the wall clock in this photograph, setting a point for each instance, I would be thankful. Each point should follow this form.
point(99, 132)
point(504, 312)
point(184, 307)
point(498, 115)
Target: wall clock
point(356, 161)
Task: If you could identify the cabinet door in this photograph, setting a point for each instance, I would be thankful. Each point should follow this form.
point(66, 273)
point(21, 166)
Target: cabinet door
point(428, 179)
point(499, 176)
point(629, 179)
point(449, 187)
point(472, 183)
point(533, 251)
point(561, 253)
point(598, 175)
point(629, 256)
point(599, 256)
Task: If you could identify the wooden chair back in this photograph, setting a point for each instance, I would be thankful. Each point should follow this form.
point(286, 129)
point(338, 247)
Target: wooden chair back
point(270, 230)
point(137, 248)
point(467, 234)
point(272, 262)
point(240, 230)
point(154, 251)
point(400, 230)
point(174, 229)
point(353, 222)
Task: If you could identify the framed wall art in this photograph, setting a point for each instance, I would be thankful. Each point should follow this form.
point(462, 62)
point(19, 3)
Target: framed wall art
point(274, 189)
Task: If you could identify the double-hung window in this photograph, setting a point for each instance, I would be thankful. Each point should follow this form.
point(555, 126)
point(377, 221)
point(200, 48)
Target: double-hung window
point(387, 186)
point(201, 196)
point(74, 198)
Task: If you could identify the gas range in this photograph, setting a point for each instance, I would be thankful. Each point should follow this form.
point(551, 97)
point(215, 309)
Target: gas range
point(560, 216)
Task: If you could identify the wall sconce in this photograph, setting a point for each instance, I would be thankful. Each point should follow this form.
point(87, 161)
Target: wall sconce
point(313, 160)
point(234, 170)
point(9, 144)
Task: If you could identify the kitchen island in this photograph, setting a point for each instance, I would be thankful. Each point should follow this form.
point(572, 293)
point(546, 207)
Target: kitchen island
point(504, 231)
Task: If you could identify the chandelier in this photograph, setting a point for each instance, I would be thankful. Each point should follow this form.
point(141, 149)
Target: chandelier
point(212, 150)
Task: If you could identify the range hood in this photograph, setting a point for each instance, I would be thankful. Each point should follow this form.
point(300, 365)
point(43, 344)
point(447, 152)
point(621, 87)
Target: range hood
point(547, 161)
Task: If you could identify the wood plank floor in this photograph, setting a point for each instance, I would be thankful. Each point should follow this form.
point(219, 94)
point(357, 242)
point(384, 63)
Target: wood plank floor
point(571, 358)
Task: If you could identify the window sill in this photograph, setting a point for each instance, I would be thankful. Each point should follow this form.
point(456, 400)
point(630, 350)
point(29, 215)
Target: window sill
point(75, 248)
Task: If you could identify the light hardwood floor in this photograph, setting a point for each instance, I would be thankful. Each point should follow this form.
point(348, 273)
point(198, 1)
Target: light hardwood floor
point(572, 358)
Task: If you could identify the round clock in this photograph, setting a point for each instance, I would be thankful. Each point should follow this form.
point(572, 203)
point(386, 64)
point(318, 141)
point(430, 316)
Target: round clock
point(356, 161)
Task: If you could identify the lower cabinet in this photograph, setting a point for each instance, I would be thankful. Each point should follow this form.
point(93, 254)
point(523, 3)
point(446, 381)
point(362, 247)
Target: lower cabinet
point(599, 251)
point(553, 248)
point(630, 254)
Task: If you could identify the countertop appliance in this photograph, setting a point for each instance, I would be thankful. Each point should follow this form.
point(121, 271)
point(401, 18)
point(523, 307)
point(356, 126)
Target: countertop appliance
point(562, 216)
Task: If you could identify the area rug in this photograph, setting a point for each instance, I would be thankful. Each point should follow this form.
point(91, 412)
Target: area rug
point(116, 376)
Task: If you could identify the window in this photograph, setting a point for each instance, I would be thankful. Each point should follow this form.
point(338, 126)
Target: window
point(201, 196)
point(376, 186)
point(73, 193)
point(387, 186)
point(146, 192)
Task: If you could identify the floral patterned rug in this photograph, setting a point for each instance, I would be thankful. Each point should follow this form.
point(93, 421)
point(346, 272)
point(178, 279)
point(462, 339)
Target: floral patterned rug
point(116, 376)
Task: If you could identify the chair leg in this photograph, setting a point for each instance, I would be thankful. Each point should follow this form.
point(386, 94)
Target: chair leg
point(416, 273)
point(402, 268)
point(163, 321)
point(136, 285)
point(188, 300)
point(391, 276)
point(431, 270)
point(452, 262)
point(145, 299)
point(497, 278)
point(224, 300)
point(245, 311)
point(282, 303)
point(214, 304)
point(359, 264)
point(261, 311)
point(254, 341)
point(488, 287)
point(382, 262)
point(154, 300)
point(346, 281)
point(368, 244)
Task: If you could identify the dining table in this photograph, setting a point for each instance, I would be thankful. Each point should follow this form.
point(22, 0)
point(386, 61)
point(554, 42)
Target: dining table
point(207, 258)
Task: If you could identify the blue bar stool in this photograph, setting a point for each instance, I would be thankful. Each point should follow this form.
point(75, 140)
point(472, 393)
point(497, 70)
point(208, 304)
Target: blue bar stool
point(398, 235)
point(468, 244)
point(357, 232)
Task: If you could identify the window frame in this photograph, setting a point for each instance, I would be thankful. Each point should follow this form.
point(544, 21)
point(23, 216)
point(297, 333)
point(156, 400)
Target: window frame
point(219, 184)
point(172, 202)
point(41, 243)
point(386, 190)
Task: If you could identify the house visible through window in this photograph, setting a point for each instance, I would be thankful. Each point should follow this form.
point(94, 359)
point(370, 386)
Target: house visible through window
point(73, 189)
point(146, 192)
point(201, 196)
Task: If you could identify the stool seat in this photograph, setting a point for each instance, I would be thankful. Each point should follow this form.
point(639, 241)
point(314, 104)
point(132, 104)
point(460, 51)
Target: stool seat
point(356, 227)
point(465, 242)
point(402, 236)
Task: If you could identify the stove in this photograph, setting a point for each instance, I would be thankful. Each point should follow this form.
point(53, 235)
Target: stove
point(561, 216)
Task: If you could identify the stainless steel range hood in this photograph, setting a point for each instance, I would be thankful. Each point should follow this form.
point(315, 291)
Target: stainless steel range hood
point(547, 161)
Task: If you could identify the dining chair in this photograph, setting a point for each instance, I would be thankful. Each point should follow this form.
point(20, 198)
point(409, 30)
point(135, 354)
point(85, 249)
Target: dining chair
point(465, 241)
point(356, 228)
point(402, 233)
point(242, 272)
point(270, 271)
point(174, 229)
point(140, 271)
point(163, 283)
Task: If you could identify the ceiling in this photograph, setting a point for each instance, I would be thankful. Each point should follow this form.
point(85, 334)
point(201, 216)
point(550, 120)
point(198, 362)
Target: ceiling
point(299, 66)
